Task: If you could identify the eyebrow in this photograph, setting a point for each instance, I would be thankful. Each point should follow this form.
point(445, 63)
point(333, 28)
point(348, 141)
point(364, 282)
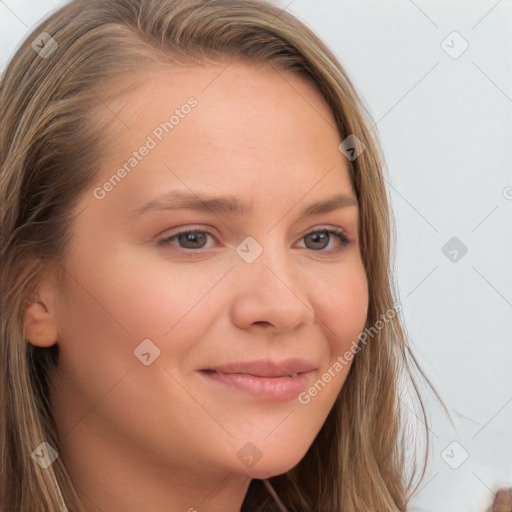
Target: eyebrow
point(233, 205)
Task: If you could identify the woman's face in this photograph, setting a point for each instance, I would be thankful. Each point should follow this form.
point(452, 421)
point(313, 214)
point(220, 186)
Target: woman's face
point(189, 351)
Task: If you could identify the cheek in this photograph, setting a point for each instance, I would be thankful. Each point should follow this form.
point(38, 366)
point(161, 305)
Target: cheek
point(153, 297)
point(124, 296)
point(342, 310)
point(103, 314)
point(108, 309)
point(345, 306)
point(95, 340)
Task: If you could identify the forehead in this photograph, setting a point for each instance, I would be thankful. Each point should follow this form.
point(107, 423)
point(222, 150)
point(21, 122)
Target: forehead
point(232, 95)
point(223, 125)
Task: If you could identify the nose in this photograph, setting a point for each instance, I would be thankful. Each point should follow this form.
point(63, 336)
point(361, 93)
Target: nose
point(271, 294)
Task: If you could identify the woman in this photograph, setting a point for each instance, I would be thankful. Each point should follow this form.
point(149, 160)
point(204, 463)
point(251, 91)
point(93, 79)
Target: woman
point(197, 309)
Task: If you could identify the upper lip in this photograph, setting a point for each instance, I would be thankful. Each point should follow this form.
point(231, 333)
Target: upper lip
point(265, 368)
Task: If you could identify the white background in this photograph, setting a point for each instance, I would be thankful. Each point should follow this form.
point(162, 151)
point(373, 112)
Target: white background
point(446, 127)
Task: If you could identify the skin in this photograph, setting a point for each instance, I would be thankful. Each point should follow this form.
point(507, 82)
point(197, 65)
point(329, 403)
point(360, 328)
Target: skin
point(164, 437)
point(502, 500)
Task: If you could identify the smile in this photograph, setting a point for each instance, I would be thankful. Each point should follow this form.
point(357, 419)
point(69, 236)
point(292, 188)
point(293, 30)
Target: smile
point(264, 380)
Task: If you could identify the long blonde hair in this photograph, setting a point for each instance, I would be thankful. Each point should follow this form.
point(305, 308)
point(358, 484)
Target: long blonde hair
point(49, 153)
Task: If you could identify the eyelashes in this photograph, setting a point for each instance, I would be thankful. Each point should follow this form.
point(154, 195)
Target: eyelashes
point(196, 239)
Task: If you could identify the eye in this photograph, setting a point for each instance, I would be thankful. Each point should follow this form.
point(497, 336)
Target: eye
point(191, 239)
point(194, 239)
point(319, 240)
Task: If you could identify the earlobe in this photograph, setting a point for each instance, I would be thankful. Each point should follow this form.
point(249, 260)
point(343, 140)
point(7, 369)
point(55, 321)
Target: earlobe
point(39, 322)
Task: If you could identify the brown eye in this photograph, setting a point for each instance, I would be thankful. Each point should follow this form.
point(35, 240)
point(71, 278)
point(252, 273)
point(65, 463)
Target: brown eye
point(192, 240)
point(187, 239)
point(319, 240)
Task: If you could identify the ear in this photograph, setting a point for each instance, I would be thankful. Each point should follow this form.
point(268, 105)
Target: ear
point(40, 325)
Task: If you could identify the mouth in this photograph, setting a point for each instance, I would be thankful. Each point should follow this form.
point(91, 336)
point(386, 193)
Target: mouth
point(264, 380)
point(290, 375)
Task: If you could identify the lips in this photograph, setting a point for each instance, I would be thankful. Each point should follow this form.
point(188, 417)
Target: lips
point(264, 380)
point(265, 369)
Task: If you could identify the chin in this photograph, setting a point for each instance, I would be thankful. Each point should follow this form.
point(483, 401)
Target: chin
point(273, 465)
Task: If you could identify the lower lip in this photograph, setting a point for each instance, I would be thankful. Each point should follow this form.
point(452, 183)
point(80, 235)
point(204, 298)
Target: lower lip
point(270, 389)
